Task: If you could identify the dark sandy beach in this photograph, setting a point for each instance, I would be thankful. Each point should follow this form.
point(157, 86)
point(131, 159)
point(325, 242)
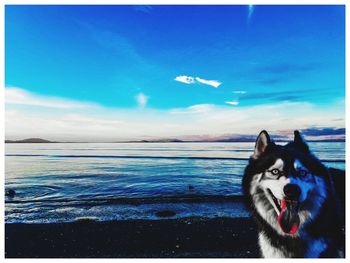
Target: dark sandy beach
point(189, 237)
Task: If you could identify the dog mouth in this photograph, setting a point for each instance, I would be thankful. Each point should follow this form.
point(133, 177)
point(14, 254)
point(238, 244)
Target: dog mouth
point(288, 217)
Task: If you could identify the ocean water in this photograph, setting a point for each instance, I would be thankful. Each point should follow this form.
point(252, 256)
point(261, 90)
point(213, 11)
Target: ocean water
point(64, 182)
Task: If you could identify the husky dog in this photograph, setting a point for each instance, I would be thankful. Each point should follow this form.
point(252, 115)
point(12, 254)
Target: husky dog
point(291, 195)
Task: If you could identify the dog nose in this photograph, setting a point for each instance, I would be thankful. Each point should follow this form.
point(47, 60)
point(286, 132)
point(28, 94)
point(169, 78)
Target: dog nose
point(292, 191)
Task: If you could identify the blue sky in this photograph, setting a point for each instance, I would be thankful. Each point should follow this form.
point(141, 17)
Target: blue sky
point(138, 63)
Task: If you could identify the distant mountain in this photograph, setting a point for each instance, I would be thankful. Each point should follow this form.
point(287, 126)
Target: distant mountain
point(30, 140)
point(243, 138)
point(159, 140)
point(240, 138)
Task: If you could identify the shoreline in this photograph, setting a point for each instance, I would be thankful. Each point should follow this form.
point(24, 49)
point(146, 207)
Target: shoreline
point(165, 238)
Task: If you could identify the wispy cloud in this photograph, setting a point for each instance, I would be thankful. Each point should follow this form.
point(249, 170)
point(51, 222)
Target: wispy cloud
point(232, 102)
point(142, 100)
point(20, 96)
point(67, 120)
point(201, 108)
point(194, 80)
point(194, 109)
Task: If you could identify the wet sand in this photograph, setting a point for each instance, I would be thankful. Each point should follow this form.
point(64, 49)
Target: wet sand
point(165, 238)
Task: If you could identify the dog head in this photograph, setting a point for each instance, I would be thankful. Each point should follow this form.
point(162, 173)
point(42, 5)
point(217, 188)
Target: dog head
point(286, 185)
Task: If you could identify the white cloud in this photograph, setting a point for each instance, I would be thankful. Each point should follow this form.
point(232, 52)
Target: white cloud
point(194, 109)
point(19, 96)
point(201, 108)
point(213, 83)
point(193, 80)
point(97, 123)
point(185, 79)
point(232, 102)
point(142, 100)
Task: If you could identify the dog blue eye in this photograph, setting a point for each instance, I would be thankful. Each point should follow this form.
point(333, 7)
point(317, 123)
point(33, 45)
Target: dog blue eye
point(275, 171)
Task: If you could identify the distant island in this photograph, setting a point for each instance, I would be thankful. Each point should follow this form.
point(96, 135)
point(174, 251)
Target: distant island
point(30, 140)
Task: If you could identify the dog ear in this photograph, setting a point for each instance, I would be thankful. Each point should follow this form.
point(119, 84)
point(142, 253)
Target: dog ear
point(300, 142)
point(261, 144)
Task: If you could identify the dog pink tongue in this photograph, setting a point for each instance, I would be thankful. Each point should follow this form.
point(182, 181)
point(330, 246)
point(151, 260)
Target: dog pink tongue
point(288, 218)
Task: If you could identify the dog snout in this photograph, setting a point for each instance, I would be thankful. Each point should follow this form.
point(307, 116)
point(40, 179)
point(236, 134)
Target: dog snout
point(292, 191)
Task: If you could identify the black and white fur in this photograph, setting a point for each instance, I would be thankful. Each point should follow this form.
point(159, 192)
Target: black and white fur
point(270, 169)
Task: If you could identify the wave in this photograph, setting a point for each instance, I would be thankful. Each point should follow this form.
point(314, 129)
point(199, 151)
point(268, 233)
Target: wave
point(148, 157)
point(150, 149)
point(128, 157)
point(137, 200)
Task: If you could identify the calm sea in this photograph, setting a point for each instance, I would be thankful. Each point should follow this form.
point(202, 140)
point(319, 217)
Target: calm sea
point(65, 182)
